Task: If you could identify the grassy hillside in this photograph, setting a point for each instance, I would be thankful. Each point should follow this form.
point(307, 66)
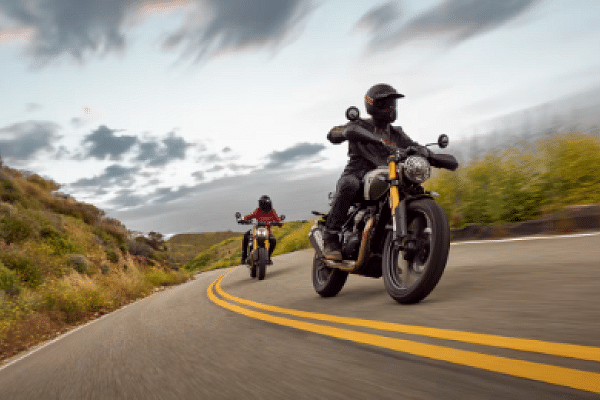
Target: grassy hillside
point(523, 182)
point(184, 247)
point(63, 262)
point(290, 237)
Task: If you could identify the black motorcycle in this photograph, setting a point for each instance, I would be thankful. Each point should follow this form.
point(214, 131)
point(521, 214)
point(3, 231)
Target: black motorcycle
point(257, 255)
point(396, 228)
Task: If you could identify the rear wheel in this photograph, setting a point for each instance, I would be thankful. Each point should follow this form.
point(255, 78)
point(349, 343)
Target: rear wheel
point(327, 281)
point(261, 264)
point(412, 273)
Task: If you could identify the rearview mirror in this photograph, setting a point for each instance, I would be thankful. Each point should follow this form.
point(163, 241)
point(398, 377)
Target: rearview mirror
point(238, 215)
point(282, 217)
point(443, 141)
point(352, 113)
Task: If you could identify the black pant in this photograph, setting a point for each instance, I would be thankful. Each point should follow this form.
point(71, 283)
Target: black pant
point(348, 187)
point(246, 240)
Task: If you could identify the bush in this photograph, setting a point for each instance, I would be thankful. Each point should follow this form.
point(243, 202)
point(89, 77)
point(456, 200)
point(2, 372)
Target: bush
point(105, 269)
point(78, 262)
point(63, 298)
point(112, 256)
point(158, 276)
point(138, 248)
point(26, 269)
point(47, 185)
point(60, 244)
point(8, 278)
point(114, 228)
point(200, 261)
point(9, 191)
point(14, 229)
point(88, 213)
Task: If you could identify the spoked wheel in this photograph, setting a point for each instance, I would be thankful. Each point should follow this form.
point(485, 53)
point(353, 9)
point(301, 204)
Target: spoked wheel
point(412, 273)
point(327, 281)
point(261, 264)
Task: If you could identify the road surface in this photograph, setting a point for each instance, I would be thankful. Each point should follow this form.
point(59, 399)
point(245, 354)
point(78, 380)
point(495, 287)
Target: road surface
point(509, 319)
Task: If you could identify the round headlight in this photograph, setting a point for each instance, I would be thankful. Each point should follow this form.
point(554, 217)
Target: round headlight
point(417, 169)
point(262, 232)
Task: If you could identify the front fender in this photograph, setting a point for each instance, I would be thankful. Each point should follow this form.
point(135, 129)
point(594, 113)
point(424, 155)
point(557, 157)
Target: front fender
point(399, 223)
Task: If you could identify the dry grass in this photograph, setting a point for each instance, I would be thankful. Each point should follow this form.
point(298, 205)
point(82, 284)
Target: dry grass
point(184, 247)
point(62, 263)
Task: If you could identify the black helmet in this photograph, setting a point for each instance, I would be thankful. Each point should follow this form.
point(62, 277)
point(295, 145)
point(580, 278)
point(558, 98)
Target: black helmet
point(264, 204)
point(375, 102)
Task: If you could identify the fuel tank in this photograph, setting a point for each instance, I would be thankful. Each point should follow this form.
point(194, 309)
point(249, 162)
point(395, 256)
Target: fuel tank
point(376, 183)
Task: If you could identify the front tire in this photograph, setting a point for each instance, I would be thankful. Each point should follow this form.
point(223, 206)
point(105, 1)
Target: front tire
point(411, 280)
point(327, 281)
point(261, 267)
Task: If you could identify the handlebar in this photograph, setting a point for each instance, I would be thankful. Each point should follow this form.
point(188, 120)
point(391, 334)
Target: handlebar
point(259, 223)
point(446, 161)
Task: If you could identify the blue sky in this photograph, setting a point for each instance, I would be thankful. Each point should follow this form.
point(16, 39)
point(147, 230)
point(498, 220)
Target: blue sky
point(172, 115)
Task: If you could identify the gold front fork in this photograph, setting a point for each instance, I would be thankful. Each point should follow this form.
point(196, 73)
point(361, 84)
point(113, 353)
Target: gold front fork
point(394, 194)
point(255, 242)
point(397, 205)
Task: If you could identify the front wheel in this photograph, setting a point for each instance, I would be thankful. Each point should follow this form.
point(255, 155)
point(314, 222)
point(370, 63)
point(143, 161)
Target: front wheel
point(261, 264)
point(327, 281)
point(411, 274)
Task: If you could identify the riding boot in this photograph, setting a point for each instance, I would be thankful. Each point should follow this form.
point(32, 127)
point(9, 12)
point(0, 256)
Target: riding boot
point(332, 247)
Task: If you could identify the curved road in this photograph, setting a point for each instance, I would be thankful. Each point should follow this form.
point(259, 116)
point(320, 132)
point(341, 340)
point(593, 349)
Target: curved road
point(516, 319)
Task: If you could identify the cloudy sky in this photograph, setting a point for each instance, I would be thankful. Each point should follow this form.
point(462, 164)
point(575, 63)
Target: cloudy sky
point(172, 115)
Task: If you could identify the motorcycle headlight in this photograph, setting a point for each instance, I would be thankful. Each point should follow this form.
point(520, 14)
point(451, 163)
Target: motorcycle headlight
point(417, 169)
point(262, 232)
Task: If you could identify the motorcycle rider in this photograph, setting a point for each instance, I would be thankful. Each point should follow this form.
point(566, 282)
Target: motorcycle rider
point(264, 213)
point(380, 103)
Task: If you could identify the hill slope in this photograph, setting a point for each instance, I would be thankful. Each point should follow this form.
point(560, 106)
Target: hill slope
point(185, 246)
point(63, 262)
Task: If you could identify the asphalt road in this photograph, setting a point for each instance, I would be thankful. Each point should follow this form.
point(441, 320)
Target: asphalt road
point(201, 340)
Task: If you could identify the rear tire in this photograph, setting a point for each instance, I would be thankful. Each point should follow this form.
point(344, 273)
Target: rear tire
point(410, 281)
point(261, 267)
point(327, 281)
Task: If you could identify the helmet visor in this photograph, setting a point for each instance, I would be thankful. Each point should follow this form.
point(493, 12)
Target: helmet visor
point(387, 104)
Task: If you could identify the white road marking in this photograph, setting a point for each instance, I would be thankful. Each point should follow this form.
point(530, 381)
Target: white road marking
point(525, 238)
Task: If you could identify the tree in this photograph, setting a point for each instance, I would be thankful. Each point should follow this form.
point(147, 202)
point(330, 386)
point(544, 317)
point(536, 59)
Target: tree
point(156, 240)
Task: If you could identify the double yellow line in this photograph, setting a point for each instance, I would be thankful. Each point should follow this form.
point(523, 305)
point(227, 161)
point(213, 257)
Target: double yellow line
point(573, 378)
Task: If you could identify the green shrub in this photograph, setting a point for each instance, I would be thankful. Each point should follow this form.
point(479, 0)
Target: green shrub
point(94, 298)
point(199, 262)
point(78, 262)
point(63, 298)
point(14, 229)
point(114, 228)
point(8, 278)
point(9, 191)
point(47, 185)
point(112, 255)
point(138, 248)
point(60, 244)
point(105, 269)
point(26, 269)
point(157, 276)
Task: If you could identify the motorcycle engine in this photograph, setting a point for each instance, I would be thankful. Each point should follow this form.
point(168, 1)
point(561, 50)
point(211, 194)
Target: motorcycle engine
point(351, 246)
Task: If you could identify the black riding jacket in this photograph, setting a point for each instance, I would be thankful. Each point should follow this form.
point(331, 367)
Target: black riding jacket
point(364, 157)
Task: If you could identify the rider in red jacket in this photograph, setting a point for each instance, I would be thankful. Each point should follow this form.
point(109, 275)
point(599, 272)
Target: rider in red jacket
point(264, 213)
